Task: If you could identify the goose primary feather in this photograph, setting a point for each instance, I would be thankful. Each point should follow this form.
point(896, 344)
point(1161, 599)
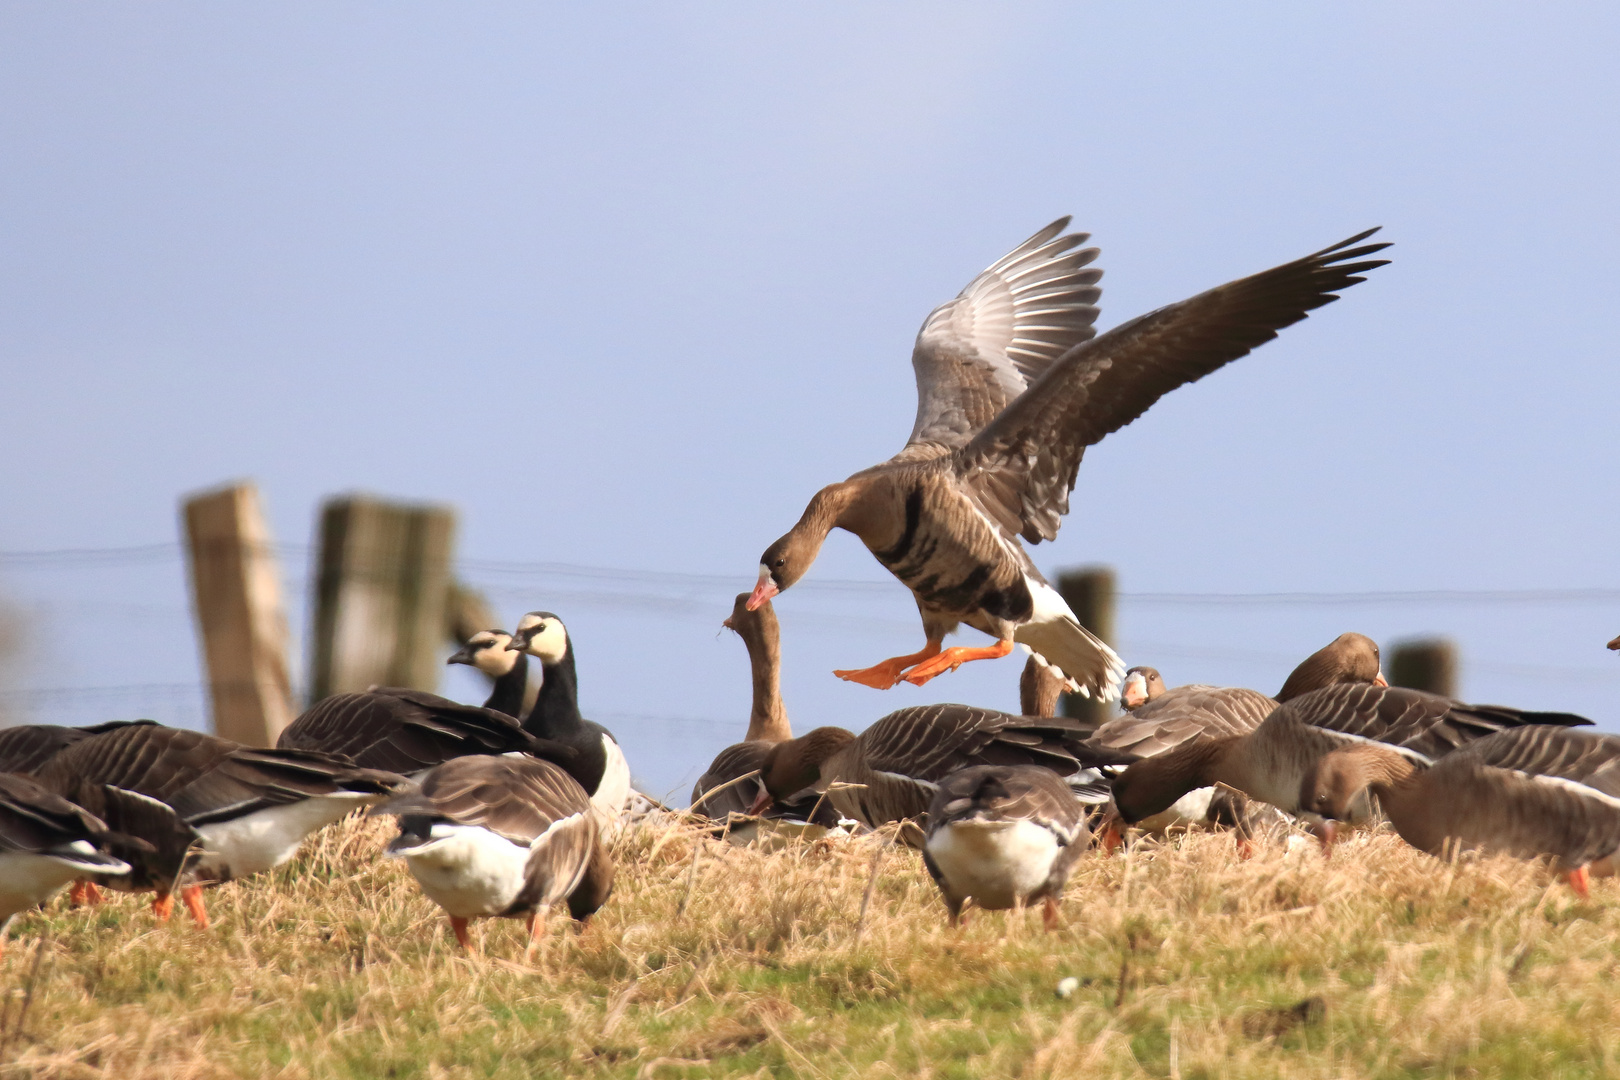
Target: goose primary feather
point(1012, 387)
point(26, 747)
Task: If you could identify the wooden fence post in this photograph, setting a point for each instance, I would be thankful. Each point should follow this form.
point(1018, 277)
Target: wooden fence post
point(382, 584)
point(1090, 591)
point(1425, 664)
point(236, 594)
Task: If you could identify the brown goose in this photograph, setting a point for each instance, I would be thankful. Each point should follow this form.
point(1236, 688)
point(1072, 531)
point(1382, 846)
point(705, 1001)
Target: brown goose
point(891, 771)
point(502, 837)
point(1615, 644)
point(46, 842)
point(1526, 791)
point(1142, 684)
point(767, 725)
point(1011, 390)
point(1269, 762)
point(1003, 836)
point(512, 692)
point(242, 809)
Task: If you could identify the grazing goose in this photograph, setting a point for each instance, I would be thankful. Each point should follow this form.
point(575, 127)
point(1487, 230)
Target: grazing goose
point(408, 731)
point(1269, 762)
point(243, 809)
point(25, 747)
point(598, 763)
point(502, 837)
point(46, 842)
point(891, 771)
point(1011, 390)
point(1003, 836)
point(513, 692)
point(1528, 791)
point(767, 725)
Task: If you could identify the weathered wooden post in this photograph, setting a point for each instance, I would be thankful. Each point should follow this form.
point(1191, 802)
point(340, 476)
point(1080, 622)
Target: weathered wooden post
point(236, 594)
point(1425, 664)
point(1090, 593)
point(382, 583)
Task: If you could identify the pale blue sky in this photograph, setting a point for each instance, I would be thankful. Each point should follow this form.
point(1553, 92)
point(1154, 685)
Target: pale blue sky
point(626, 285)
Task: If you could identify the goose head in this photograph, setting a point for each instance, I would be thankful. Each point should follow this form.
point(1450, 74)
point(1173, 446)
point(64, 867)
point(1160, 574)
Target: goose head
point(1348, 658)
point(795, 764)
point(1331, 785)
point(786, 561)
point(750, 622)
point(487, 651)
point(542, 634)
point(1142, 685)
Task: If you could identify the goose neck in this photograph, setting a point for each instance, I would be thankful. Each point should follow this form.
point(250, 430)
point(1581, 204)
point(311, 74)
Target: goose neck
point(556, 707)
point(768, 719)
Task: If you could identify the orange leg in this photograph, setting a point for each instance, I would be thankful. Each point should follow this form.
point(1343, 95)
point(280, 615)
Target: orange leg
point(458, 927)
point(1049, 914)
point(1580, 881)
point(162, 905)
point(883, 675)
point(537, 932)
point(193, 898)
point(1245, 847)
point(84, 892)
point(955, 657)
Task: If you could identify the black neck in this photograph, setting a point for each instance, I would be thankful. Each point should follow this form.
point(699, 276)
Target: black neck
point(556, 710)
point(507, 694)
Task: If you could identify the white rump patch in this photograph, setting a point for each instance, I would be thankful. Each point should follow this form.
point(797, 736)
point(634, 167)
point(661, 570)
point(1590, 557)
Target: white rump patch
point(255, 842)
point(997, 863)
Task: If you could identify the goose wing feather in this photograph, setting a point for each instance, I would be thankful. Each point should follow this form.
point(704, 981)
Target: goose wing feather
point(405, 730)
point(1022, 465)
point(1183, 714)
point(517, 798)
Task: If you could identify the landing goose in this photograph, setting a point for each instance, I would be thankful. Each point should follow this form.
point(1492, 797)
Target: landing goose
point(598, 763)
point(502, 837)
point(1160, 720)
point(25, 747)
point(891, 771)
point(767, 725)
point(1003, 836)
point(1528, 791)
point(1011, 390)
point(1269, 762)
point(213, 810)
point(46, 842)
point(408, 731)
point(513, 692)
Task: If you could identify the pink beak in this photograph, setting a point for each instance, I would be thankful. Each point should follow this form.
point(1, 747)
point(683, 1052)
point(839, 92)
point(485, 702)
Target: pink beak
point(1381, 681)
point(1135, 692)
point(1326, 833)
point(762, 803)
point(762, 592)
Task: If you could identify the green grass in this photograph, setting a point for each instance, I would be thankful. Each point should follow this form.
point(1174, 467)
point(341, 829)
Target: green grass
point(1381, 962)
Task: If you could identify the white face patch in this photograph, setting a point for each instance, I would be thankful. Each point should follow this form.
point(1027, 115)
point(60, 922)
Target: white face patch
point(549, 640)
point(492, 658)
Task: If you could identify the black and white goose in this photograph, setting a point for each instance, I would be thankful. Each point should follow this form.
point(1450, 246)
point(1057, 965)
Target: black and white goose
point(212, 809)
point(46, 842)
point(502, 837)
point(598, 763)
point(512, 692)
point(1004, 836)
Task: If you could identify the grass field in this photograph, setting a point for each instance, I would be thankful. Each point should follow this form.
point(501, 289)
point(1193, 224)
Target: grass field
point(720, 961)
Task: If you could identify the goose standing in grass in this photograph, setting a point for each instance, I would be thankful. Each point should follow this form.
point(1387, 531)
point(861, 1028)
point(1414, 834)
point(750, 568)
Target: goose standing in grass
point(1529, 792)
point(1004, 836)
point(1012, 387)
point(767, 725)
point(597, 762)
point(502, 837)
point(1269, 762)
point(212, 809)
point(46, 842)
point(891, 771)
point(512, 692)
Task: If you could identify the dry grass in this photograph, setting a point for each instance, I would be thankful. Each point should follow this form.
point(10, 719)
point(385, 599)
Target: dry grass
point(1382, 962)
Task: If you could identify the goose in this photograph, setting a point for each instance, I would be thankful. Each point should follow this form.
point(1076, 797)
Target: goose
point(1528, 791)
point(502, 837)
point(46, 842)
point(1012, 387)
point(1269, 762)
point(25, 747)
point(513, 692)
point(1159, 720)
point(1003, 836)
point(1615, 644)
point(891, 771)
point(212, 809)
point(767, 725)
point(598, 763)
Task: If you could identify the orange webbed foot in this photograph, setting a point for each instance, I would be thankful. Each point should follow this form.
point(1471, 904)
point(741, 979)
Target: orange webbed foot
point(1580, 881)
point(192, 896)
point(955, 657)
point(881, 676)
point(163, 906)
point(84, 892)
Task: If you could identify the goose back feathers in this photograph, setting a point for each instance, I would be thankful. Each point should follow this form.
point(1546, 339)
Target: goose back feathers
point(984, 468)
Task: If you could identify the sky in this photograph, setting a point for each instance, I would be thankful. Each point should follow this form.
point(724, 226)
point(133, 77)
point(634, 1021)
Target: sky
point(625, 285)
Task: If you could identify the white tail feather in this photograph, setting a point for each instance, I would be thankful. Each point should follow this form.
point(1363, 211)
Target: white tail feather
point(1056, 637)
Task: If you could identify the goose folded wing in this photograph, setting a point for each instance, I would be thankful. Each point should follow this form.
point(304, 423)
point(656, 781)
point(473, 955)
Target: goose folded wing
point(1183, 715)
point(248, 780)
point(518, 803)
point(35, 819)
point(1587, 757)
point(1527, 814)
point(978, 352)
point(1021, 466)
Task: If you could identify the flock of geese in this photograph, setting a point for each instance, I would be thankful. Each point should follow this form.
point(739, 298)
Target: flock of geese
point(509, 809)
